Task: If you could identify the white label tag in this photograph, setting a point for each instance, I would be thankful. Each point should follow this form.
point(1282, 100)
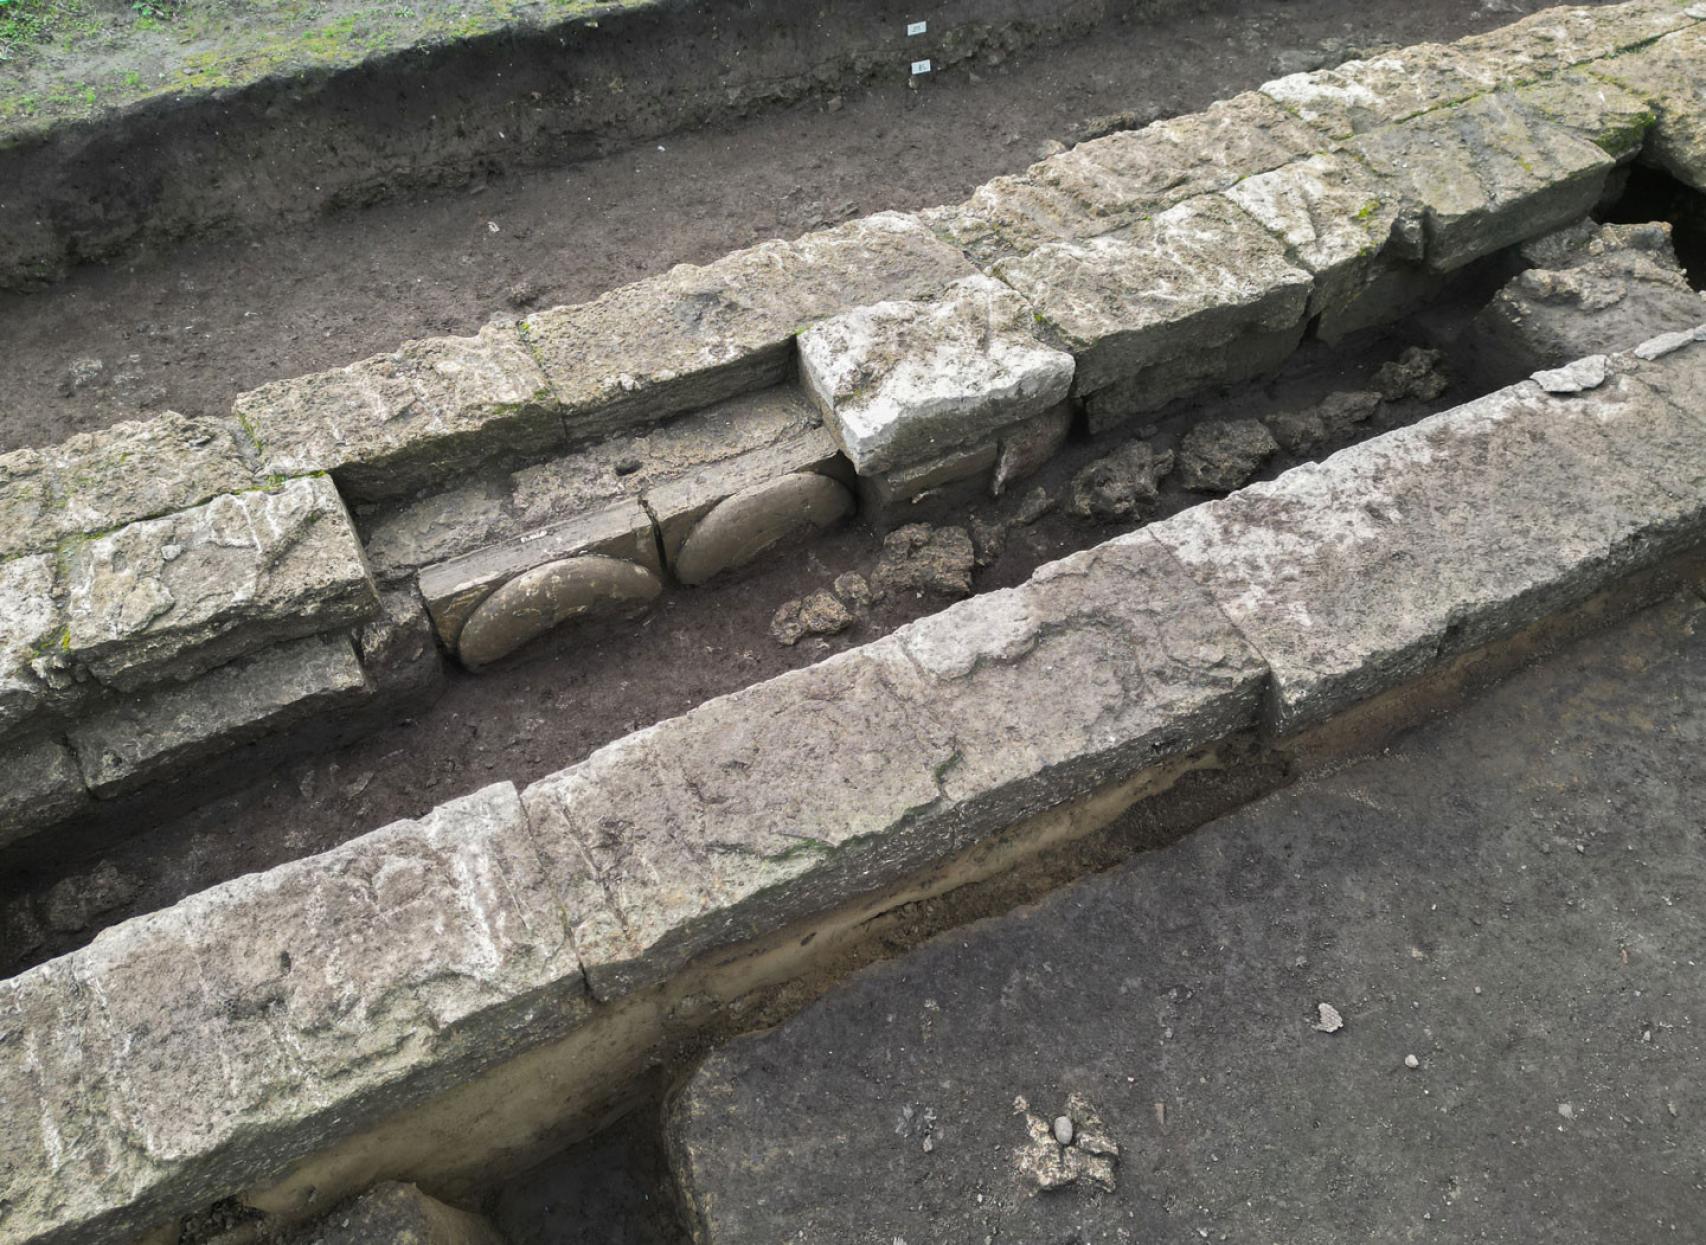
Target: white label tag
point(916, 28)
point(919, 67)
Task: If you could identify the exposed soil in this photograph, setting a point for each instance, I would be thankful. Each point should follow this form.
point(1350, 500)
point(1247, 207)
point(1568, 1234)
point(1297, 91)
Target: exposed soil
point(191, 328)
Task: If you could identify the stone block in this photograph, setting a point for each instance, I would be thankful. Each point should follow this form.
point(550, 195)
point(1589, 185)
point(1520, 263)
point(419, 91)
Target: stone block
point(1025, 448)
point(901, 383)
point(398, 422)
point(398, 651)
point(95, 481)
point(32, 635)
point(1191, 280)
point(1670, 74)
point(166, 731)
point(42, 787)
point(174, 596)
point(454, 588)
point(1246, 356)
point(1555, 39)
point(1355, 575)
point(1361, 96)
point(400, 1214)
point(890, 498)
point(1334, 215)
point(1486, 176)
point(1616, 121)
point(698, 335)
point(695, 834)
point(273, 1015)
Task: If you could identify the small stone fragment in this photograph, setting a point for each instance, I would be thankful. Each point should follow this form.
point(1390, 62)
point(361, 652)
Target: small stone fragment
point(1410, 1061)
point(1035, 505)
point(1577, 377)
point(819, 613)
point(852, 588)
point(1063, 1129)
point(921, 558)
point(1328, 1019)
point(988, 539)
point(1417, 373)
point(73, 901)
point(1123, 485)
point(1222, 455)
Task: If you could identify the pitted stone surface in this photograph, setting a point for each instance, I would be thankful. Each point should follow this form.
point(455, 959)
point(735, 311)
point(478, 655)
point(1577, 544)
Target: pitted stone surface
point(165, 731)
point(1668, 74)
point(900, 383)
point(547, 596)
point(1486, 176)
point(697, 335)
point(394, 423)
point(1192, 279)
point(1115, 182)
point(1555, 39)
point(188, 1053)
point(32, 629)
point(42, 786)
point(745, 524)
point(171, 597)
point(1353, 575)
point(99, 480)
point(697, 833)
point(1364, 95)
point(1334, 215)
point(1617, 121)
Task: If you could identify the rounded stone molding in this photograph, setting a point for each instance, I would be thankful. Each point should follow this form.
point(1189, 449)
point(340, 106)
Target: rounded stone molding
point(739, 528)
point(547, 596)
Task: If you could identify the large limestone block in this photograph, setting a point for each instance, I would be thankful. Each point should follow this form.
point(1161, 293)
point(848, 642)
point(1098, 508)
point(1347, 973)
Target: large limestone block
point(1193, 279)
point(1334, 215)
point(186, 1054)
point(697, 834)
point(1555, 39)
point(1670, 74)
point(165, 731)
point(1355, 575)
point(41, 786)
point(1363, 95)
point(172, 597)
point(1616, 121)
point(1486, 176)
point(100, 480)
point(397, 422)
point(698, 335)
point(32, 633)
point(1114, 182)
point(905, 382)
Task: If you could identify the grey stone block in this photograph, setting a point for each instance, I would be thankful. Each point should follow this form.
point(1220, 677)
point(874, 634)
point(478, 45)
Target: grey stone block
point(901, 383)
point(1193, 279)
point(1360, 96)
point(1616, 121)
point(186, 1054)
point(166, 731)
point(1113, 183)
point(1245, 356)
point(698, 335)
point(99, 480)
point(1355, 575)
point(172, 597)
point(907, 494)
point(697, 834)
point(398, 651)
point(454, 588)
point(41, 787)
point(398, 422)
point(32, 635)
point(1669, 75)
point(1486, 176)
point(1553, 40)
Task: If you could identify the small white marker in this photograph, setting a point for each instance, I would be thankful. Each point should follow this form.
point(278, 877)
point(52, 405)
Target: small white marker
point(916, 28)
point(920, 67)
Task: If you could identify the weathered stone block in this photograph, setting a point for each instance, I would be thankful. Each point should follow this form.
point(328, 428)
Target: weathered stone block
point(1364, 95)
point(889, 498)
point(398, 422)
point(1354, 575)
point(1245, 356)
point(172, 597)
point(1670, 74)
point(1555, 39)
point(901, 383)
point(166, 731)
point(1187, 282)
point(695, 336)
point(1334, 215)
point(1616, 121)
point(1114, 182)
point(1486, 176)
point(272, 1015)
point(454, 588)
point(400, 1214)
point(41, 787)
point(398, 651)
point(32, 633)
point(696, 834)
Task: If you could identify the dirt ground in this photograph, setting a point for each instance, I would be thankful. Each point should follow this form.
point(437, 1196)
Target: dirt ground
point(191, 328)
